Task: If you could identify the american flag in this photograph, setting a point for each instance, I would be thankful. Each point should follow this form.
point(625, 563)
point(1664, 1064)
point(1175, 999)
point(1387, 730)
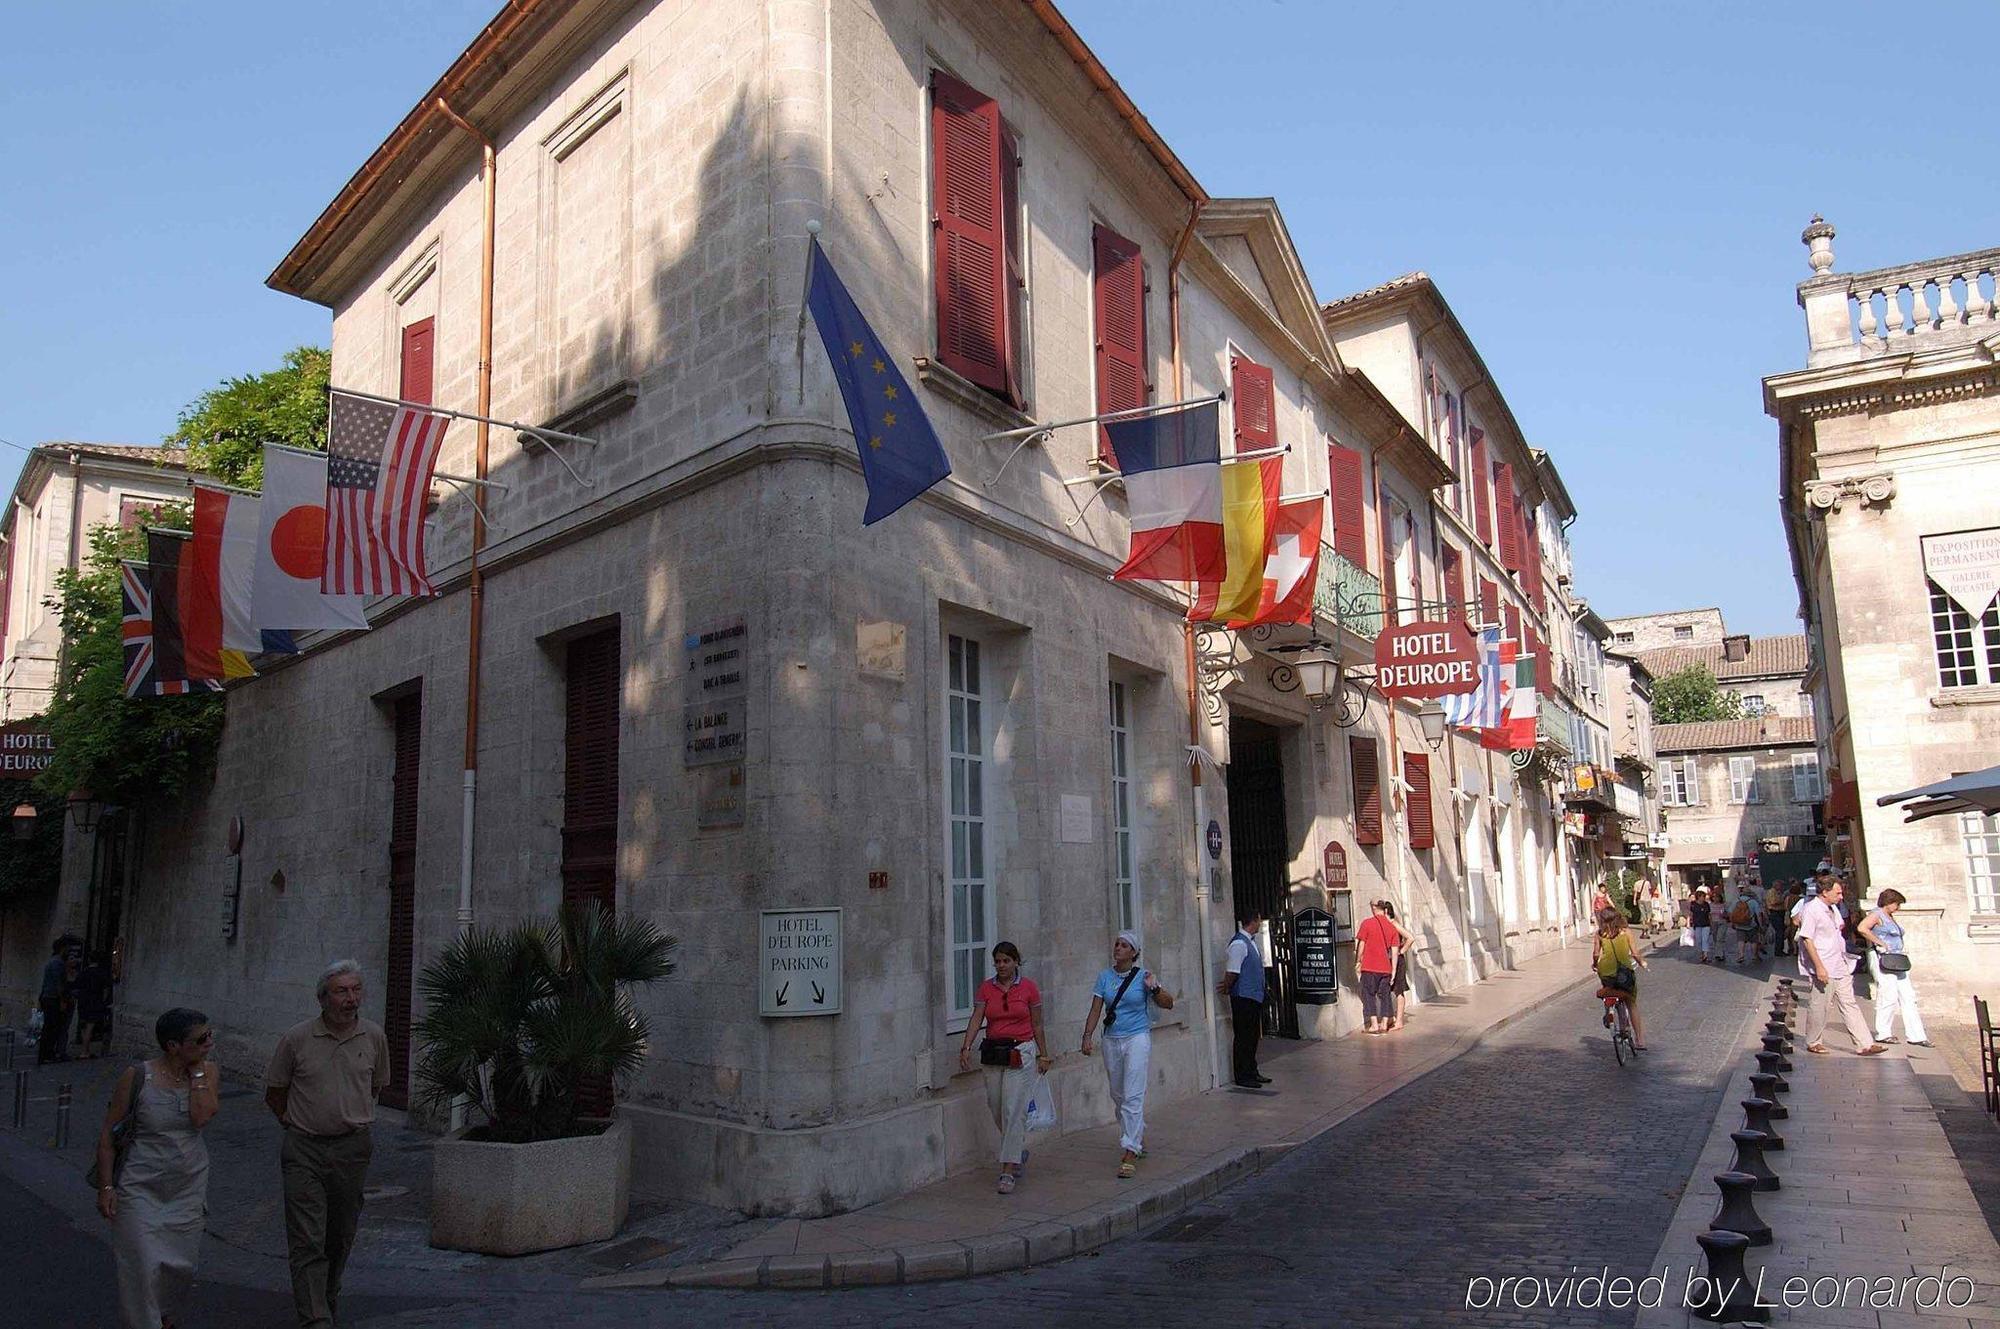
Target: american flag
point(378, 479)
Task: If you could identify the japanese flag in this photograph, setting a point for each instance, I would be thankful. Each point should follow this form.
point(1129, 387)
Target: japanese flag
point(291, 548)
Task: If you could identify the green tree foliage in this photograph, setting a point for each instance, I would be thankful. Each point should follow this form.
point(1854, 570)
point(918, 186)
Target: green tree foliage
point(225, 429)
point(519, 1021)
point(1692, 694)
point(134, 752)
point(31, 865)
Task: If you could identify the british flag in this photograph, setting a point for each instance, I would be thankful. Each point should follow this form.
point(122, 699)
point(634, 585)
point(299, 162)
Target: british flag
point(378, 480)
point(142, 677)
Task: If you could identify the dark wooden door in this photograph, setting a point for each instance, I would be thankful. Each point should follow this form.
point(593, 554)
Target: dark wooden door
point(400, 977)
point(1259, 856)
point(590, 796)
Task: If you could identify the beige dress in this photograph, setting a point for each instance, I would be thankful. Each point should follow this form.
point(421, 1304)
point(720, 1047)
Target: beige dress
point(162, 1205)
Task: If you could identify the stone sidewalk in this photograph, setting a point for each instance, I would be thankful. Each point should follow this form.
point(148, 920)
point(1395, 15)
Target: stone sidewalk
point(1870, 1190)
point(1071, 1200)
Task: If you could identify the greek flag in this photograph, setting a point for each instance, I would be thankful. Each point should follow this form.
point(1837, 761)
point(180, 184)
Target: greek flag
point(1480, 708)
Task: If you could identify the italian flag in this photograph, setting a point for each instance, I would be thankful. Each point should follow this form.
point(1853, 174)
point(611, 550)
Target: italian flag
point(1516, 731)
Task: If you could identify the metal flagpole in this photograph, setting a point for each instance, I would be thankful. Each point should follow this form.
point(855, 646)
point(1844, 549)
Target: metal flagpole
point(1104, 482)
point(538, 431)
point(805, 296)
point(1029, 434)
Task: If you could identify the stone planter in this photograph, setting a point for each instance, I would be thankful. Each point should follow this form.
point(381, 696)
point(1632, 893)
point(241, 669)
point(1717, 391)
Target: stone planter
point(515, 1199)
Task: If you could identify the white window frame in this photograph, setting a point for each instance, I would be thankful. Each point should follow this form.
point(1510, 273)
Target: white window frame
point(1754, 705)
point(1743, 780)
point(1805, 777)
point(1127, 908)
point(1966, 654)
point(968, 747)
point(1981, 835)
point(1682, 786)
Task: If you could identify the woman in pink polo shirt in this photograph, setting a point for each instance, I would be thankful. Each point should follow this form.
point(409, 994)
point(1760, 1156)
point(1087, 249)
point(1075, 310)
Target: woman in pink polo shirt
point(1010, 1008)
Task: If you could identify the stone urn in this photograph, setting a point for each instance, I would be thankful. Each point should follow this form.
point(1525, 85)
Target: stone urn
point(516, 1199)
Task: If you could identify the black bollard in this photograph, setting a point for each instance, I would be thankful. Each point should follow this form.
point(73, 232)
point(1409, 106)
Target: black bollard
point(1757, 1117)
point(1775, 1045)
point(1783, 1032)
point(1729, 1295)
point(62, 1116)
point(1750, 1158)
point(1737, 1212)
point(1767, 1064)
point(20, 1100)
point(1765, 1086)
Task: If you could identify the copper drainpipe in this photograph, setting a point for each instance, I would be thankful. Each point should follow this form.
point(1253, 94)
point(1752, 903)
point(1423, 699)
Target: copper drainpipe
point(476, 583)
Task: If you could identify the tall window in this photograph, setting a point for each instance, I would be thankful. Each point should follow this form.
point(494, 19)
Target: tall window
point(1743, 780)
point(970, 903)
point(1968, 654)
point(1982, 859)
point(1805, 777)
point(1122, 850)
point(1680, 785)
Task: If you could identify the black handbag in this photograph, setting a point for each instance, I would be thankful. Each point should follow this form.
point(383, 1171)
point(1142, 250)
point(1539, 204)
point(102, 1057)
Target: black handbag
point(1111, 1011)
point(1624, 978)
point(1893, 962)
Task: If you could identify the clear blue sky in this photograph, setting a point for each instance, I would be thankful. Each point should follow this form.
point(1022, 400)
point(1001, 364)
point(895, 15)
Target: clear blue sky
point(1610, 197)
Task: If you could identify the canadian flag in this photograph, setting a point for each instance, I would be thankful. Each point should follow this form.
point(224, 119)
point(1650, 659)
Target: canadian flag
point(1291, 569)
point(291, 548)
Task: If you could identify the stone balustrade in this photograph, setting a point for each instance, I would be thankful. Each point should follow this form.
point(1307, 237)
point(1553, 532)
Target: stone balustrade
point(1917, 306)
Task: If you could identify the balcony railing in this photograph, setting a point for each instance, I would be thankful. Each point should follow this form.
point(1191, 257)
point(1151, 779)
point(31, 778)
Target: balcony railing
point(1348, 595)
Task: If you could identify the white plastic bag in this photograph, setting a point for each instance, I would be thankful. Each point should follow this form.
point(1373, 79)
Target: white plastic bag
point(35, 1022)
point(1687, 938)
point(1041, 1106)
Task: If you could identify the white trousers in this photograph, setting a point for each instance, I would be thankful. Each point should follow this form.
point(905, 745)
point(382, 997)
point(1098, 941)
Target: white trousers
point(1008, 1090)
point(1893, 992)
point(1125, 1063)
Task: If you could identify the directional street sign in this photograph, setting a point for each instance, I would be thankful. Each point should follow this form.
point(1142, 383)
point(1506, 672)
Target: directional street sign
point(798, 962)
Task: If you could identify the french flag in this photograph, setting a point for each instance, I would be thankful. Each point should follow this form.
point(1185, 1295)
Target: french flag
point(1172, 464)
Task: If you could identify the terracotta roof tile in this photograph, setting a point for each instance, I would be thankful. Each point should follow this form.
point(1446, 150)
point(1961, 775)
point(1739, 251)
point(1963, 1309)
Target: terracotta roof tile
point(1393, 284)
point(1769, 657)
point(1715, 735)
point(118, 452)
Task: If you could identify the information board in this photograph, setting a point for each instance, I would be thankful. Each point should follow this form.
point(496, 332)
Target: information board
point(1317, 981)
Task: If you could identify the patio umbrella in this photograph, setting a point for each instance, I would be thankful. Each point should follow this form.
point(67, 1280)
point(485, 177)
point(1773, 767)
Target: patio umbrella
point(1978, 791)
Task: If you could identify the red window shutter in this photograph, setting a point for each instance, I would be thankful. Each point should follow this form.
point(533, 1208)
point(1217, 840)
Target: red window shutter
point(1482, 490)
point(1454, 581)
point(1016, 283)
point(1542, 670)
point(1350, 515)
point(1367, 773)
point(970, 232)
point(1253, 404)
point(1489, 602)
point(1119, 299)
point(418, 344)
point(1531, 561)
point(1509, 518)
point(590, 770)
point(1417, 775)
point(1513, 616)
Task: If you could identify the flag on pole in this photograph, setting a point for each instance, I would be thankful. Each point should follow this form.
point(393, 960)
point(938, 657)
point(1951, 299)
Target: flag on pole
point(291, 548)
point(1516, 731)
point(225, 545)
point(900, 453)
point(187, 610)
point(1480, 708)
point(1249, 525)
point(1172, 465)
point(378, 482)
point(1291, 572)
point(155, 664)
point(136, 628)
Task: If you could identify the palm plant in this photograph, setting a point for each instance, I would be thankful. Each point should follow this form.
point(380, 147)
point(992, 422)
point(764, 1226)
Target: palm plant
point(522, 1022)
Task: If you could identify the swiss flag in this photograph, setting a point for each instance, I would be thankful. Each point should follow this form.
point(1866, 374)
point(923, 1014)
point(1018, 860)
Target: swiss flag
point(1291, 569)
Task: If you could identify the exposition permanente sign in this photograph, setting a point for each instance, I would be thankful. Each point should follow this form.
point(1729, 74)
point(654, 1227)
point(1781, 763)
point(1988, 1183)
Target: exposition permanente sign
point(1425, 660)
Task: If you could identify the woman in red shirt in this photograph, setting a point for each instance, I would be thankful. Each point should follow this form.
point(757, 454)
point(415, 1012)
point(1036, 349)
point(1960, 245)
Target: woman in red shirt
point(1378, 941)
point(1010, 1008)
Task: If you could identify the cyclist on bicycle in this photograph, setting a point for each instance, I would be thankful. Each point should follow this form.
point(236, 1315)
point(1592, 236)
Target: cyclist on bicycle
point(1611, 952)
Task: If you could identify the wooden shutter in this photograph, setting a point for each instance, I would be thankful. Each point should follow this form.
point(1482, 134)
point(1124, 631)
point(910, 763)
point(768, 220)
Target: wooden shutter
point(1367, 773)
point(1507, 516)
point(408, 717)
point(1489, 602)
point(1482, 489)
point(1118, 297)
point(418, 343)
point(590, 771)
point(1252, 404)
point(1543, 672)
point(1417, 775)
point(969, 229)
point(1016, 263)
point(1350, 507)
point(1513, 617)
point(1454, 582)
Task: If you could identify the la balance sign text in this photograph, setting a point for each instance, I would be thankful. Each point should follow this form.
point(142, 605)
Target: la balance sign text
point(1426, 660)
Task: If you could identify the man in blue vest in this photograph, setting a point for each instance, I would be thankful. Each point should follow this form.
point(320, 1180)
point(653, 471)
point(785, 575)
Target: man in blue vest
point(1243, 980)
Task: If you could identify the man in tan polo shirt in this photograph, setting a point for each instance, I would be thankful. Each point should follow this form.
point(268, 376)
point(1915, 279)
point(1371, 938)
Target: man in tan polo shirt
point(323, 1083)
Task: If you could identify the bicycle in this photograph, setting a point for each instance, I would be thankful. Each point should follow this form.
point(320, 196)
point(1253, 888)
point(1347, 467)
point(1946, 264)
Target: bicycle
point(1622, 1045)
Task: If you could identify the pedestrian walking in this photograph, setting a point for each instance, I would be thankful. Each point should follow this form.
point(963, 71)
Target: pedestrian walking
point(57, 1000)
point(1823, 958)
point(156, 1199)
point(322, 1084)
point(1890, 965)
point(1618, 962)
point(1399, 986)
point(1243, 983)
point(1124, 996)
point(1701, 917)
point(1378, 942)
point(1744, 922)
point(1009, 1007)
point(93, 1004)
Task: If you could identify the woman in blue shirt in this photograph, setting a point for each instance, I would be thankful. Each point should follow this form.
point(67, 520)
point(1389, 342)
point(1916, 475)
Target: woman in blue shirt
point(1123, 997)
point(1883, 936)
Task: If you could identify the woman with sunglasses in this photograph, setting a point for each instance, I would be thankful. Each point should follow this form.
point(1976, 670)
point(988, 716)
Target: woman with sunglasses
point(157, 1198)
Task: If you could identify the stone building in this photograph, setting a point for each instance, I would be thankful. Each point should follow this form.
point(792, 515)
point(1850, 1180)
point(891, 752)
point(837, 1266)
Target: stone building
point(1650, 632)
point(952, 726)
point(1888, 464)
point(1738, 793)
point(1635, 753)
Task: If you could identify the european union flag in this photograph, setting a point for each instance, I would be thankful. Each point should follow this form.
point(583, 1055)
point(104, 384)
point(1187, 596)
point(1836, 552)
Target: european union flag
point(900, 453)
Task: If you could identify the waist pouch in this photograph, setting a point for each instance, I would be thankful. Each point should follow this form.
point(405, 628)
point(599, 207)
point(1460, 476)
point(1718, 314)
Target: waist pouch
point(999, 1052)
